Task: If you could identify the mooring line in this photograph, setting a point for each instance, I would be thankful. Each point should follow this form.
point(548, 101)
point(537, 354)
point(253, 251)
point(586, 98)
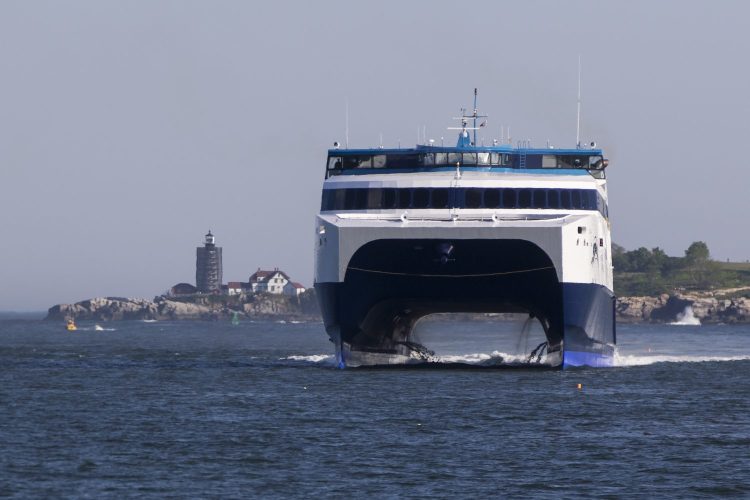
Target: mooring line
point(481, 275)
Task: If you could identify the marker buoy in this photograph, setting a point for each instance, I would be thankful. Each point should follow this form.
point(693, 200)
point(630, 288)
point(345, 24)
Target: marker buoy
point(579, 386)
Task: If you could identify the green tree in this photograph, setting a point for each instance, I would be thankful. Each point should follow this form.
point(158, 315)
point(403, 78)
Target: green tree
point(699, 265)
point(697, 252)
point(620, 258)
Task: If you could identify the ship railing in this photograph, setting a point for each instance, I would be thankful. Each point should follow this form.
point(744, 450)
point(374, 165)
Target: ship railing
point(453, 217)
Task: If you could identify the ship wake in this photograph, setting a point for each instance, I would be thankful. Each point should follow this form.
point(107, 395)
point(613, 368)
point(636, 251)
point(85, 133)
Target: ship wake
point(625, 360)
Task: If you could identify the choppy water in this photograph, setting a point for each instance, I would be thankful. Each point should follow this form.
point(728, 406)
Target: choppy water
point(213, 410)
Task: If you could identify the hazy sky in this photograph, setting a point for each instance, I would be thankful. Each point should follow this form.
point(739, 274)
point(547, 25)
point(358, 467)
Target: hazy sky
point(128, 129)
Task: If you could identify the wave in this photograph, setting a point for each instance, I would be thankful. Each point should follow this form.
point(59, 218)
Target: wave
point(637, 360)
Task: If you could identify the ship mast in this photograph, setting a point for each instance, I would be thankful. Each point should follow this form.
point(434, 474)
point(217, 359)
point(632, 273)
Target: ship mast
point(463, 136)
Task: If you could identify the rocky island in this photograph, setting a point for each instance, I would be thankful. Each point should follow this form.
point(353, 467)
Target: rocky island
point(200, 307)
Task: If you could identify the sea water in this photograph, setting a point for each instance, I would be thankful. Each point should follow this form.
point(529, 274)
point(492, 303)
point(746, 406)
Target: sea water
point(194, 409)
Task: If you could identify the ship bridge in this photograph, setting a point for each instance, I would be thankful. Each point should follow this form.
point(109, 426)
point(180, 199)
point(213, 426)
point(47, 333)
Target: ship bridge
point(500, 159)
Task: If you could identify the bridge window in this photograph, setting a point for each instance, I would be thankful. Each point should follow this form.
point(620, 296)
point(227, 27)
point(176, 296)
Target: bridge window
point(441, 158)
point(572, 161)
point(351, 162)
point(402, 161)
point(549, 161)
point(596, 163)
point(428, 159)
point(454, 158)
point(483, 158)
point(334, 163)
point(378, 161)
point(470, 158)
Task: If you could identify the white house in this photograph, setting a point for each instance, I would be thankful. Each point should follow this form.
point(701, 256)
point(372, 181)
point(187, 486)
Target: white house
point(269, 281)
point(234, 288)
point(293, 288)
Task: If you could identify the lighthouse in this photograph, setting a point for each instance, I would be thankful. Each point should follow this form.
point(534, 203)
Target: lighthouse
point(208, 271)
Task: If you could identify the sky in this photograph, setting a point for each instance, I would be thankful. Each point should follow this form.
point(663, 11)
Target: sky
point(129, 129)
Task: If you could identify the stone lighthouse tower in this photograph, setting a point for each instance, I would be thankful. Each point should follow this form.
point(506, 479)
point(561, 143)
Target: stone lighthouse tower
point(208, 272)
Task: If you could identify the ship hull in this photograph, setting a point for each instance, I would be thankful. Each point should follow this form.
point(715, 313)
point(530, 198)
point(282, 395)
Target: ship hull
point(389, 285)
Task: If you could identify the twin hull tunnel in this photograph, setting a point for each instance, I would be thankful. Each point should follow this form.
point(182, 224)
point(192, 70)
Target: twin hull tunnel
point(391, 283)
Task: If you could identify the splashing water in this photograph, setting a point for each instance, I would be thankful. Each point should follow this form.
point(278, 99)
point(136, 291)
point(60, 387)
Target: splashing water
point(687, 318)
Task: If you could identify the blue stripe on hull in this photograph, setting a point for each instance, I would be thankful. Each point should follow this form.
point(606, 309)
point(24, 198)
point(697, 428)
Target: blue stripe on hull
point(594, 359)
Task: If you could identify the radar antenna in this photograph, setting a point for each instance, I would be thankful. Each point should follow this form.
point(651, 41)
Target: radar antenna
point(464, 136)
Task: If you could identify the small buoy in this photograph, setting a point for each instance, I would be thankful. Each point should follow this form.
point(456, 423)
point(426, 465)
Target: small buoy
point(579, 386)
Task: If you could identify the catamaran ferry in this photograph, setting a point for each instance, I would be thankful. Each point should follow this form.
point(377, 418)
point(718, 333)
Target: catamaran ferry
point(405, 233)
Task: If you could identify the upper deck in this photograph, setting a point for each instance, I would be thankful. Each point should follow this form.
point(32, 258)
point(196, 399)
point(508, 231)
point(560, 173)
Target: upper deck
point(499, 158)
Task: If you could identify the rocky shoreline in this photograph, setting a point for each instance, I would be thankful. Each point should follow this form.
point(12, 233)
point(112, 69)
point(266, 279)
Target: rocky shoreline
point(261, 306)
point(706, 307)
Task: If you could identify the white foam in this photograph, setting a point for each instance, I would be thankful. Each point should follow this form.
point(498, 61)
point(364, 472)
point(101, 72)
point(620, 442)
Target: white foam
point(479, 358)
point(636, 360)
point(686, 318)
point(314, 358)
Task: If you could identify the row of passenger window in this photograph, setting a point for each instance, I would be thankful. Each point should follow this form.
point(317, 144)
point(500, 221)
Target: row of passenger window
point(404, 198)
